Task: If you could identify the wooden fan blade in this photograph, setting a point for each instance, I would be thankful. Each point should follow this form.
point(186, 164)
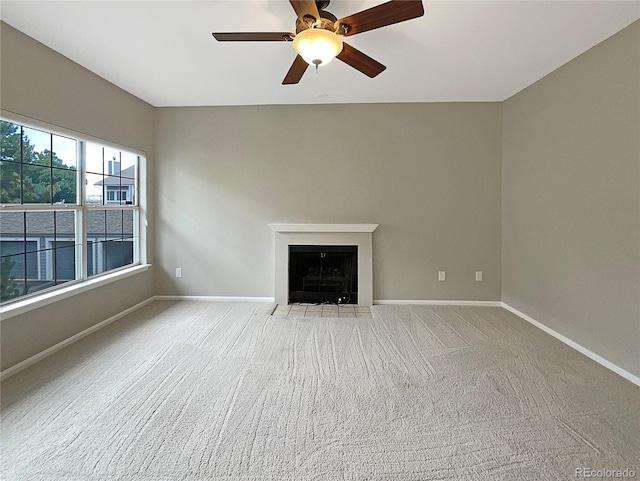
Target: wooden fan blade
point(296, 71)
point(388, 13)
point(305, 7)
point(254, 37)
point(360, 61)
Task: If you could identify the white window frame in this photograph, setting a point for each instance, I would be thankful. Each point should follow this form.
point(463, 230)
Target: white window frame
point(83, 283)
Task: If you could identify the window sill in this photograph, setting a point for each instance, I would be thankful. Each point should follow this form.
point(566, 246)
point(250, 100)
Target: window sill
point(26, 305)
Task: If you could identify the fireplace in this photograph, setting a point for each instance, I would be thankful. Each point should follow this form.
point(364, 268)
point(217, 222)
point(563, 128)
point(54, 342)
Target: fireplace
point(323, 274)
point(339, 235)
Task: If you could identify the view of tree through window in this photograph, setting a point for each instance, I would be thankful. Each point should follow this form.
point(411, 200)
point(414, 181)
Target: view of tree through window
point(50, 186)
point(31, 170)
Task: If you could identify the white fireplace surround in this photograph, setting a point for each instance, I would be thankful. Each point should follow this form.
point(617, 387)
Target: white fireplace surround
point(324, 234)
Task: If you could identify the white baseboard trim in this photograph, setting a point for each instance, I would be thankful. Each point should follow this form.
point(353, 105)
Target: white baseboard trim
point(214, 298)
point(438, 303)
point(592, 355)
point(62, 344)
point(47, 352)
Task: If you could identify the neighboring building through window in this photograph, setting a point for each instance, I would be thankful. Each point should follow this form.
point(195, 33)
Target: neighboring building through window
point(119, 187)
point(69, 210)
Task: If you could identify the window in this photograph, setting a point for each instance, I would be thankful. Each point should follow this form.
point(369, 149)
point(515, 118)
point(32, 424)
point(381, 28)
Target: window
point(69, 210)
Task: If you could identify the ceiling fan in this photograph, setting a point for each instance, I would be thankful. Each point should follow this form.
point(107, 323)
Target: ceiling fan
point(317, 38)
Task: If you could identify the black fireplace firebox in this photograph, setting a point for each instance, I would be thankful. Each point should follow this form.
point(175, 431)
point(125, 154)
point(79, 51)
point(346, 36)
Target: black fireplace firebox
point(323, 274)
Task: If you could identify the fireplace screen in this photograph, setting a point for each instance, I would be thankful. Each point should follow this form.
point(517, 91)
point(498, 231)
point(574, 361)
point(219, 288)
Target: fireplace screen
point(323, 274)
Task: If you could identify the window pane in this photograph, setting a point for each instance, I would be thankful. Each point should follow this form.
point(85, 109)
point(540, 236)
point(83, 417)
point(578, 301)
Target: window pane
point(9, 142)
point(65, 255)
point(130, 242)
point(94, 189)
point(11, 247)
point(94, 158)
point(64, 186)
point(36, 262)
point(111, 186)
point(127, 223)
point(36, 184)
point(98, 263)
point(93, 262)
point(127, 188)
point(65, 250)
point(129, 160)
point(111, 161)
point(16, 263)
point(11, 233)
point(36, 147)
point(65, 152)
point(118, 253)
point(65, 225)
point(40, 226)
point(39, 273)
point(10, 183)
point(12, 280)
point(30, 246)
point(118, 250)
point(129, 163)
point(96, 225)
point(114, 224)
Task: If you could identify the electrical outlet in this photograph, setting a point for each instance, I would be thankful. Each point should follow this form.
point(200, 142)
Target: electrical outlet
point(478, 276)
point(178, 271)
point(441, 276)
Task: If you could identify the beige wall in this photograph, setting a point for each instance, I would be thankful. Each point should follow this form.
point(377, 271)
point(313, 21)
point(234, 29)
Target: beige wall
point(40, 84)
point(571, 200)
point(429, 174)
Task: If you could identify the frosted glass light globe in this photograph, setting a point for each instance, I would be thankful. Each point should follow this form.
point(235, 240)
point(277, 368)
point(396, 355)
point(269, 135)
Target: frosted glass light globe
point(317, 46)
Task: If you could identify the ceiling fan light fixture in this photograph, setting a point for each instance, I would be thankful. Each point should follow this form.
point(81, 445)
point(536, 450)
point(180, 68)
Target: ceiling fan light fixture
point(317, 46)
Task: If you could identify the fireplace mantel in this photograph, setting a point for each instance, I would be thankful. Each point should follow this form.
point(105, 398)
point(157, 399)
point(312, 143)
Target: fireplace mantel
point(324, 234)
point(323, 227)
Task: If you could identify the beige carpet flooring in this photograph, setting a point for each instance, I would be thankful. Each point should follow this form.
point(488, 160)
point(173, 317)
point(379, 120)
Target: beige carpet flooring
point(223, 391)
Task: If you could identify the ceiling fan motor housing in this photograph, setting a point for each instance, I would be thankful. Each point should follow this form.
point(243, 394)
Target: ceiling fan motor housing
point(326, 22)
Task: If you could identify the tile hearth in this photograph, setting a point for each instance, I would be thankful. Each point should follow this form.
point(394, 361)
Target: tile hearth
point(321, 310)
point(360, 235)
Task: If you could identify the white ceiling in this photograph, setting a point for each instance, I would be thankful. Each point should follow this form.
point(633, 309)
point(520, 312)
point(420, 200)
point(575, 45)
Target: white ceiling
point(163, 51)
